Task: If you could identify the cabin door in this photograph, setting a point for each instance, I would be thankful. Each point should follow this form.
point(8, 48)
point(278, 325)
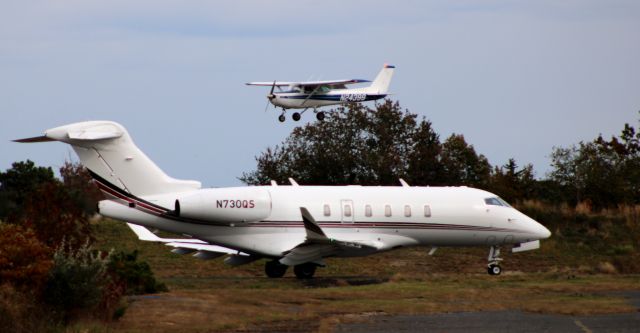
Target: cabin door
point(347, 211)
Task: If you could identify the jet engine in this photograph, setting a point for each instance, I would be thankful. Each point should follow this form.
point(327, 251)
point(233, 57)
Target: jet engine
point(228, 205)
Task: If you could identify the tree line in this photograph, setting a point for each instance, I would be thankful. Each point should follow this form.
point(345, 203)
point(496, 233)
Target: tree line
point(378, 145)
point(50, 274)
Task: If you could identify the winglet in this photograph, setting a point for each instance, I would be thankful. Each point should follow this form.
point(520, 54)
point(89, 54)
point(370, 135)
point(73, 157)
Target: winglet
point(311, 227)
point(144, 233)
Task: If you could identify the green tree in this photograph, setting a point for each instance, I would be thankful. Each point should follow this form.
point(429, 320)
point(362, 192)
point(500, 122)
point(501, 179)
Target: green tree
point(17, 183)
point(513, 184)
point(602, 172)
point(462, 165)
point(355, 145)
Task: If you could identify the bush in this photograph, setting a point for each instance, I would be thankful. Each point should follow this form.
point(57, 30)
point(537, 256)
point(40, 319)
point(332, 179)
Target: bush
point(20, 312)
point(24, 260)
point(76, 282)
point(137, 275)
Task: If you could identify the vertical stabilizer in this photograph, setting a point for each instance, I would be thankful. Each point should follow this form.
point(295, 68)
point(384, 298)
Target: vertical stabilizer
point(381, 83)
point(106, 149)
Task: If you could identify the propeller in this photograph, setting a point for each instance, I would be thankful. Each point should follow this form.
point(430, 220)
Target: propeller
point(270, 96)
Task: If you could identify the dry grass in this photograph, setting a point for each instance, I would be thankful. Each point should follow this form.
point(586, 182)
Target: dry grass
point(297, 304)
point(207, 296)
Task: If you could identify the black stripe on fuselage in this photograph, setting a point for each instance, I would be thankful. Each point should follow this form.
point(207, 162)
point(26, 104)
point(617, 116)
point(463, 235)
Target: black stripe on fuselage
point(153, 209)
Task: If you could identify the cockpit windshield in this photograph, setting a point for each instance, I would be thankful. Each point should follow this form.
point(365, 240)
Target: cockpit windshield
point(496, 201)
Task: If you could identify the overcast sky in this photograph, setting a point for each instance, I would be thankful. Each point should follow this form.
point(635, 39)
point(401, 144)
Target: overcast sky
point(515, 77)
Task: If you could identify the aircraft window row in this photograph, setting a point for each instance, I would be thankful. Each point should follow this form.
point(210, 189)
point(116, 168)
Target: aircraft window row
point(496, 201)
point(368, 211)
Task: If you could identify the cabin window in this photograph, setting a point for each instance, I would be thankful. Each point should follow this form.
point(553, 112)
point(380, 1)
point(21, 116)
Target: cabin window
point(367, 211)
point(387, 211)
point(327, 210)
point(347, 210)
point(407, 211)
point(427, 211)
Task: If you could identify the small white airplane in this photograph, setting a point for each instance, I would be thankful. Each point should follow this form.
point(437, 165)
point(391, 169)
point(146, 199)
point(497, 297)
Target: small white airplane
point(288, 225)
point(314, 94)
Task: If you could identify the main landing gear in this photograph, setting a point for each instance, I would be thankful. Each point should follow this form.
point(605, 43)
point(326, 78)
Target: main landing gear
point(274, 269)
point(297, 115)
point(493, 268)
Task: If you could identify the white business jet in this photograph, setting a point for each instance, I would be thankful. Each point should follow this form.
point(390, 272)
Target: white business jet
point(288, 225)
point(314, 94)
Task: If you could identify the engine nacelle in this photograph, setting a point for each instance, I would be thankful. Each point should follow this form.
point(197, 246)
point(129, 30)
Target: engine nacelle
point(232, 205)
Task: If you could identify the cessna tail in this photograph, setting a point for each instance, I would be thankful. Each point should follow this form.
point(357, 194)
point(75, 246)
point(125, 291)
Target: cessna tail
point(289, 225)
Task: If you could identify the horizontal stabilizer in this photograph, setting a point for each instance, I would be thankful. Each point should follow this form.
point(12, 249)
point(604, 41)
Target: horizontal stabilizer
point(42, 138)
point(528, 246)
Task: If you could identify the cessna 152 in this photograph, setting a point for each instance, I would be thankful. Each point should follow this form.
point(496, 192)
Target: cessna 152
point(314, 94)
point(288, 225)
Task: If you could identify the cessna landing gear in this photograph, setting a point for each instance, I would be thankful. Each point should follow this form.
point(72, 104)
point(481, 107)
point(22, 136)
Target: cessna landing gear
point(274, 269)
point(493, 268)
point(282, 118)
point(305, 271)
point(320, 116)
point(295, 116)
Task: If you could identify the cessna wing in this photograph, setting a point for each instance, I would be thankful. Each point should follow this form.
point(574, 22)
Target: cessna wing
point(317, 245)
point(202, 249)
point(307, 83)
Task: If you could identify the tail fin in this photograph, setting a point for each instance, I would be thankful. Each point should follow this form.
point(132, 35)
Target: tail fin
point(381, 84)
point(106, 149)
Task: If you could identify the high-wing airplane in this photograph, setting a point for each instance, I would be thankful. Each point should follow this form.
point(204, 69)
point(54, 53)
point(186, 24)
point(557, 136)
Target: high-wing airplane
point(314, 94)
point(289, 225)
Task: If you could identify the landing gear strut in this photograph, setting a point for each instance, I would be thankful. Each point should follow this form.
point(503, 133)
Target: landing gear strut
point(305, 271)
point(282, 118)
point(274, 269)
point(493, 268)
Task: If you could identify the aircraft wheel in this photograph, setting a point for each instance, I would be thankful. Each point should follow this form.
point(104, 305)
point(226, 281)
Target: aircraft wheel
point(282, 118)
point(295, 116)
point(305, 271)
point(320, 116)
point(494, 270)
point(274, 269)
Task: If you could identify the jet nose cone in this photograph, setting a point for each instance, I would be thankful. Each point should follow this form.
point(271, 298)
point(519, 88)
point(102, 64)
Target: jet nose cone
point(543, 232)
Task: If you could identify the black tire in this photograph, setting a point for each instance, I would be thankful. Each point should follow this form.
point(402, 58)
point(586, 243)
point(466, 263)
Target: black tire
point(305, 271)
point(274, 269)
point(494, 270)
point(295, 116)
point(282, 118)
point(320, 116)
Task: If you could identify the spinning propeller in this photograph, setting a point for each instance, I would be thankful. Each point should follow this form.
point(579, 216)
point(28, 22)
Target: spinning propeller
point(270, 96)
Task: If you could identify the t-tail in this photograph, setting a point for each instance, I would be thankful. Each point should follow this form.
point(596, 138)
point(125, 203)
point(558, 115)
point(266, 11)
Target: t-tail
point(106, 149)
point(381, 83)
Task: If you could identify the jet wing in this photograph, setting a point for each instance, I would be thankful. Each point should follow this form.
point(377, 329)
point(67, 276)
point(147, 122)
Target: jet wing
point(317, 245)
point(307, 83)
point(184, 245)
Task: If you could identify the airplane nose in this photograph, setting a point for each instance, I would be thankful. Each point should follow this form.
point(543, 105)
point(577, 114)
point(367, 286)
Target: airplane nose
point(543, 232)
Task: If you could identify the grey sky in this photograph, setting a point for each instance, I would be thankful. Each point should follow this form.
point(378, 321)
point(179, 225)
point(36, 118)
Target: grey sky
point(515, 77)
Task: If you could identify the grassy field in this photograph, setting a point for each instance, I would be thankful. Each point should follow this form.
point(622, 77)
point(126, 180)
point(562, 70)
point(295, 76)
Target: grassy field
point(208, 296)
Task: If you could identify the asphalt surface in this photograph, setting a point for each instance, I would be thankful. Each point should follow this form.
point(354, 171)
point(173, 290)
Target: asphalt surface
point(503, 321)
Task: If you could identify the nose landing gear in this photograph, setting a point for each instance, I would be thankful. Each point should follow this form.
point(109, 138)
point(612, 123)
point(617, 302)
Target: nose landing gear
point(493, 268)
